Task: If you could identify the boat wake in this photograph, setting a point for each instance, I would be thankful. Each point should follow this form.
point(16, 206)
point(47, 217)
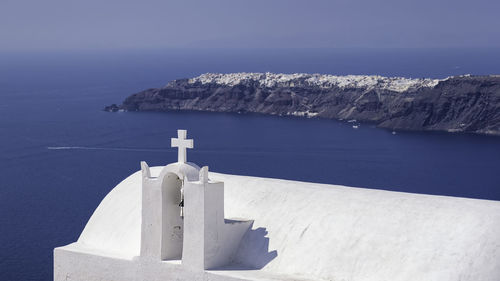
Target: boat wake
point(107, 148)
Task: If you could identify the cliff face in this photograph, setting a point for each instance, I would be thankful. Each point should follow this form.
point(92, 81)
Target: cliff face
point(456, 104)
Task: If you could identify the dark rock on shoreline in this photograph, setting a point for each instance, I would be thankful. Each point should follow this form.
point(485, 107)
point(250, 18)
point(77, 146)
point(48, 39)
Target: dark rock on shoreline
point(112, 108)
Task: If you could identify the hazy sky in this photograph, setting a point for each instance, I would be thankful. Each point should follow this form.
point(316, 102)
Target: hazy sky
point(124, 24)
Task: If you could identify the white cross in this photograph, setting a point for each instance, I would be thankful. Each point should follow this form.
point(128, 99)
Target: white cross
point(182, 143)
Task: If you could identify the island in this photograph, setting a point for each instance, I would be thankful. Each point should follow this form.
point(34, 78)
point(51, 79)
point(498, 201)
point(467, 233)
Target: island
point(466, 103)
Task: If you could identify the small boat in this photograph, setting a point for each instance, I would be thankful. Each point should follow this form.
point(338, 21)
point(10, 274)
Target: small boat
point(355, 126)
point(393, 132)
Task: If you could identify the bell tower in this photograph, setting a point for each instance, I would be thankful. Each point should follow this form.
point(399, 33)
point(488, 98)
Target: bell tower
point(202, 238)
point(162, 227)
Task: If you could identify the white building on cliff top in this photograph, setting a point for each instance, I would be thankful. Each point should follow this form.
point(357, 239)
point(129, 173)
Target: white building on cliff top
point(279, 230)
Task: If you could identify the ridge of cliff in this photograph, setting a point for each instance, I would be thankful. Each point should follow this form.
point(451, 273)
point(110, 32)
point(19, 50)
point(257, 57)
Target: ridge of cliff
point(455, 104)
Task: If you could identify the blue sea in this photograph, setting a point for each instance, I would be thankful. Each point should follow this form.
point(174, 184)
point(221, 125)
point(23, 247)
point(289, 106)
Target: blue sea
point(61, 154)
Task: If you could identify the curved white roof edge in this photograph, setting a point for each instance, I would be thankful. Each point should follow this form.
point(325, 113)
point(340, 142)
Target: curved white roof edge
point(334, 232)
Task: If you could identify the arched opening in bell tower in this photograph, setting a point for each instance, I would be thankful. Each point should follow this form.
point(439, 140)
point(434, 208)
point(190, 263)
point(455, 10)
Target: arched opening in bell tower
point(172, 222)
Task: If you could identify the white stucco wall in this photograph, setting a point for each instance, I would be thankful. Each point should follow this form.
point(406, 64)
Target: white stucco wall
point(327, 232)
point(209, 240)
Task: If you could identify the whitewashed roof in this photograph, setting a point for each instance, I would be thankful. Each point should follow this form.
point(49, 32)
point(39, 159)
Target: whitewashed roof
point(329, 232)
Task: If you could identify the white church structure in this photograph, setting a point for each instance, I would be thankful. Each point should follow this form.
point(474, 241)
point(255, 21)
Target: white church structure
point(180, 222)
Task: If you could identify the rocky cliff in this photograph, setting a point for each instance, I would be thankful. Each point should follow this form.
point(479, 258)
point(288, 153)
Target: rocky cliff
point(456, 104)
